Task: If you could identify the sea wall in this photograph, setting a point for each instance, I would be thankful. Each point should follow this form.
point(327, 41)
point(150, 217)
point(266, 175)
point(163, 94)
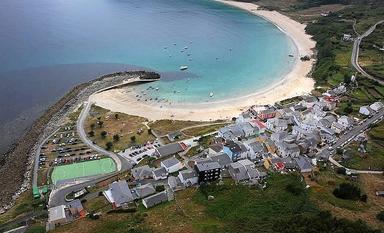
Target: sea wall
point(16, 165)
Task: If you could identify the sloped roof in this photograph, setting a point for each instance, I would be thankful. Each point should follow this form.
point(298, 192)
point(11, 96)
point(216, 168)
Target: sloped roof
point(156, 199)
point(170, 149)
point(120, 192)
point(170, 162)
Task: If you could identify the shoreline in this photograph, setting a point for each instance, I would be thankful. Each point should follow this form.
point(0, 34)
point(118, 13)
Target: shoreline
point(19, 162)
point(294, 83)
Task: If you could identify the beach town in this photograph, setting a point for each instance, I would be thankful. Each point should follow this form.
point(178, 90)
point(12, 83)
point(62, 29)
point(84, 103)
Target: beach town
point(111, 152)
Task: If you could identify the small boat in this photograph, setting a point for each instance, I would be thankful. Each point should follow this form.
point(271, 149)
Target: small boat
point(157, 89)
point(183, 67)
point(186, 47)
point(290, 55)
point(211, 94)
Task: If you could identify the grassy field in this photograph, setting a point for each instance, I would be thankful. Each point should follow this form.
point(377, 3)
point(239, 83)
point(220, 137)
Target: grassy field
point(371, 57)
point(326, 181)
point(235, 208)
point(126, 126)
point(198, 131)
point(23, 205)
point(374, 158)
point(163, 127)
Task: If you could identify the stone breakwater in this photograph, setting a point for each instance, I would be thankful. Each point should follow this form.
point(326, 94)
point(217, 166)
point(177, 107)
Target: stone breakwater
point(16, 166)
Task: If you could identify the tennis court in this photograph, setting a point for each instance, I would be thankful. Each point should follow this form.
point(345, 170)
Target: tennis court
point(89, 168)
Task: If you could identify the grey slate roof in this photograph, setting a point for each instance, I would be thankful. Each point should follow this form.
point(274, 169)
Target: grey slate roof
point(223, 159)
point(156, 199)
point(145, 190)
point(217, 147)
point(159, 172)
point(169, 149)
point(175, 183)
point(188, 174)
point(303, 163)
point(120, 192)
point(257, 147)
point(170, 162)
point(208, 166)
point(243, 170)
point(142, 172)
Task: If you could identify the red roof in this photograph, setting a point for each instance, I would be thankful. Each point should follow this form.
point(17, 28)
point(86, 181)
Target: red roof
point(279, 166)
point(259, 124)
point(182, 144)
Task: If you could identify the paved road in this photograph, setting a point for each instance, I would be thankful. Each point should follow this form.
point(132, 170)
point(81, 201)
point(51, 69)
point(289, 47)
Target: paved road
point(37, 156)
point(343, 140)
point(356, 49)
point(57, 196)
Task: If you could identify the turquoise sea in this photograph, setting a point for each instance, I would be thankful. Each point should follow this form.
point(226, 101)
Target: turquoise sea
point(48, 46)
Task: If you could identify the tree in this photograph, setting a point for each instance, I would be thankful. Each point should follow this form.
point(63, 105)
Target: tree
point(116, 116)
point(380, 216)
point(347, 79)
point(103, 134)
point(100, 123)
point(348, 109)
point(116, 137)
point(364, 198)
point(93, 126)
point(347, 191)
point(91, 133)
point(133, 138)
point(341, 170)
point(109, 145)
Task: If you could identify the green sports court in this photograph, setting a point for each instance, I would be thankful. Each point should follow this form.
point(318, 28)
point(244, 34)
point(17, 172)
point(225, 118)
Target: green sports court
point(89, 168)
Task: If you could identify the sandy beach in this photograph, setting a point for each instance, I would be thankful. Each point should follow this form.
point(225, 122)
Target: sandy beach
point(296, 82)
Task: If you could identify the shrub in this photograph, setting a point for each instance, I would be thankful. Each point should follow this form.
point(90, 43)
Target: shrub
point(347, 191)
point(109, 145)
point(91, 133)
point(380, 216)
point(341, 170)
point(160, 188)
point(103, 134)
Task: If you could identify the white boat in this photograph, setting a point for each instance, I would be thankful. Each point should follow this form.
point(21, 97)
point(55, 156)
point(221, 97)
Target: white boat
point(183, 67)
point(211, 94)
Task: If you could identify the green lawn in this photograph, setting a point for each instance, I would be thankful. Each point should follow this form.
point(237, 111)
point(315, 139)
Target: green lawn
point(89, 168)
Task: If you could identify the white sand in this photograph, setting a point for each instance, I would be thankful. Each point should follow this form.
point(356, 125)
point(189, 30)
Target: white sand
point(294, 83)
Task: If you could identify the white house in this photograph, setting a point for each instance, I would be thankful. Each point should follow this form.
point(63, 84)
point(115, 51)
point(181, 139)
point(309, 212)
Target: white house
point(365, 110)
point(376, 106)
point(256, 150)
point(337, 127)
point(276, 124)
point(160, 173)
point(171, 165)
point(345, 121)
point(188, 177)
point(288, 149)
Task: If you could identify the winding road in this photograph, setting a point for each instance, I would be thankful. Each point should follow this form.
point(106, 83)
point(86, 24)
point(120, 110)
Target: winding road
point(57, 196)
point(356, 50)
